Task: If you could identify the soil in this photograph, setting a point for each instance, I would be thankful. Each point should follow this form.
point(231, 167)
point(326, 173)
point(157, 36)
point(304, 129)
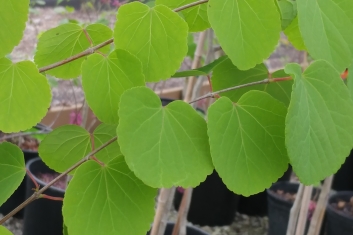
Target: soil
point(23, 142)
point(344, 207)
point(48, 177)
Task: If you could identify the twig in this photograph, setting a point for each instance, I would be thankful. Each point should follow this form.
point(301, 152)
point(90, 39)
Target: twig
point(190, 5)
point(303, 215)
point(180, 225)
point(38, 193)
point(294, 211)
point(23, 134)
point(164, 194)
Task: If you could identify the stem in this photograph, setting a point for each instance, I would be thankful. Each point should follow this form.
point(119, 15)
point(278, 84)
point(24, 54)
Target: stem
point(23, 134)
point(37, 194)
point(190, 5)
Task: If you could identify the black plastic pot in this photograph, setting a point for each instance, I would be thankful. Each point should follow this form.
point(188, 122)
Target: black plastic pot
point(338, 223)
point(42, 216)
point(343, 180)
point(212, 203)
point(256, 205)
point(190, 230)
point(19, 195)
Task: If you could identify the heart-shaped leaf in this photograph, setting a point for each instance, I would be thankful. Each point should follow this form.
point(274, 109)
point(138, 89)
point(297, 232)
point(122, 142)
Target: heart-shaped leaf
point(326, 27)
point(24, 95)
point(104, 79)
point(247, 141)
point(196, 16)
point(319, 122)
point(102, 134)
point(108, 200)
point(13, 20)
point(12, 170)
point(157, 36)
point(164, 146)
point(67, 40)
point(248, 31)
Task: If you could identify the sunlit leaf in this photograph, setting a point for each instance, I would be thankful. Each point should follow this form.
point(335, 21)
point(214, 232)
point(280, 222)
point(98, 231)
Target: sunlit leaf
point(102, 134)
point(247, 141)
point(108, 200)
point(247, 30)
point(104, 79)
point(4, 231)
point(157, 36)
point(13, 20)
point(24, 95)
point(68, 40)
point(164, 146)
point(12, 170)
point(294, 35)
point(319, 122)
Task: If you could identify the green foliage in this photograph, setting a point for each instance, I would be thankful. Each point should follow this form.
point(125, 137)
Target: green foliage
point(318, 123)
point(104, 80)
point(247, 141)
point(13, 20)
point(103, 133)
point(13, 170)
point(163, 146)
point(108, 200)
point(159, 38)
point(65, 41)
point(24, 95)
point(234, 21)
point(288, 10)
point(294, 35)
point(4, 231)
point(327, 30)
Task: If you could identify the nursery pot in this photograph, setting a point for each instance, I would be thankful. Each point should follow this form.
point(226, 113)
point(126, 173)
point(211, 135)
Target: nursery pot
point(343, 180)
point(256, 205)
point(190, 230)
point(42, 216)
point(19, 195)
point(212, 203)
point(338, 223)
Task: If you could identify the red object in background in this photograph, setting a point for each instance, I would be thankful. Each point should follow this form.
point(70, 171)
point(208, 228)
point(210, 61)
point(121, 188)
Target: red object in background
point(344, 75)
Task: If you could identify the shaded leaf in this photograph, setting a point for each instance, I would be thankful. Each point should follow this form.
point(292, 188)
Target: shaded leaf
point(318, 123)
point(247, 141)
point(294, 35)
point(112, 197)
point(164, 146)
point(288, 10)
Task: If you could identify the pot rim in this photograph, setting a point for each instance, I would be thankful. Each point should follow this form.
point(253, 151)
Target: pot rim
point(330, 208)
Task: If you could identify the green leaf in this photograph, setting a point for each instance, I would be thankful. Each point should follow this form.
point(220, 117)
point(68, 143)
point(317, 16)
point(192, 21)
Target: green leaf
point(247, 141)
point(327, 30)
point(205, 70)
point(13, 20)
point(164, 146)
point(157, 36)
point(196, 16)
point(65, 146)
point(104, 80)
point(288, 10)
point(24, 95)
point(226, 75)
point(191, 46)
point(350, 81)
point(108, 200)
point(248, 31)
point(4, 231)
point(102, 134)
point(294, 35)
point(319, 122)
point(68, 40)
point(12, 170)
point(39, 136)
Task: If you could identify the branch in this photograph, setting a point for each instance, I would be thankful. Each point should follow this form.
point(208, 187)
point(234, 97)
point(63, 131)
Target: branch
point(265, 81)
point(37, 194)
point(190, 5)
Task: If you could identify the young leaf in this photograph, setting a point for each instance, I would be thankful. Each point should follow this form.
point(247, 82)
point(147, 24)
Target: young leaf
point(247, 141)
point(326, 30)
point(24, 95)
point(227, 75)
point(12, 170)
point(196, 16)
point(319, 122)
point(157, 36)
point(108, 200)
point(102, 134)
point(294, 35)
point(4, 231)
point(205, 70)
point(13, 20)
point(104, 79)
point(164, 146)
point(65, 146)
point(65, 41)
point(248, 31)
